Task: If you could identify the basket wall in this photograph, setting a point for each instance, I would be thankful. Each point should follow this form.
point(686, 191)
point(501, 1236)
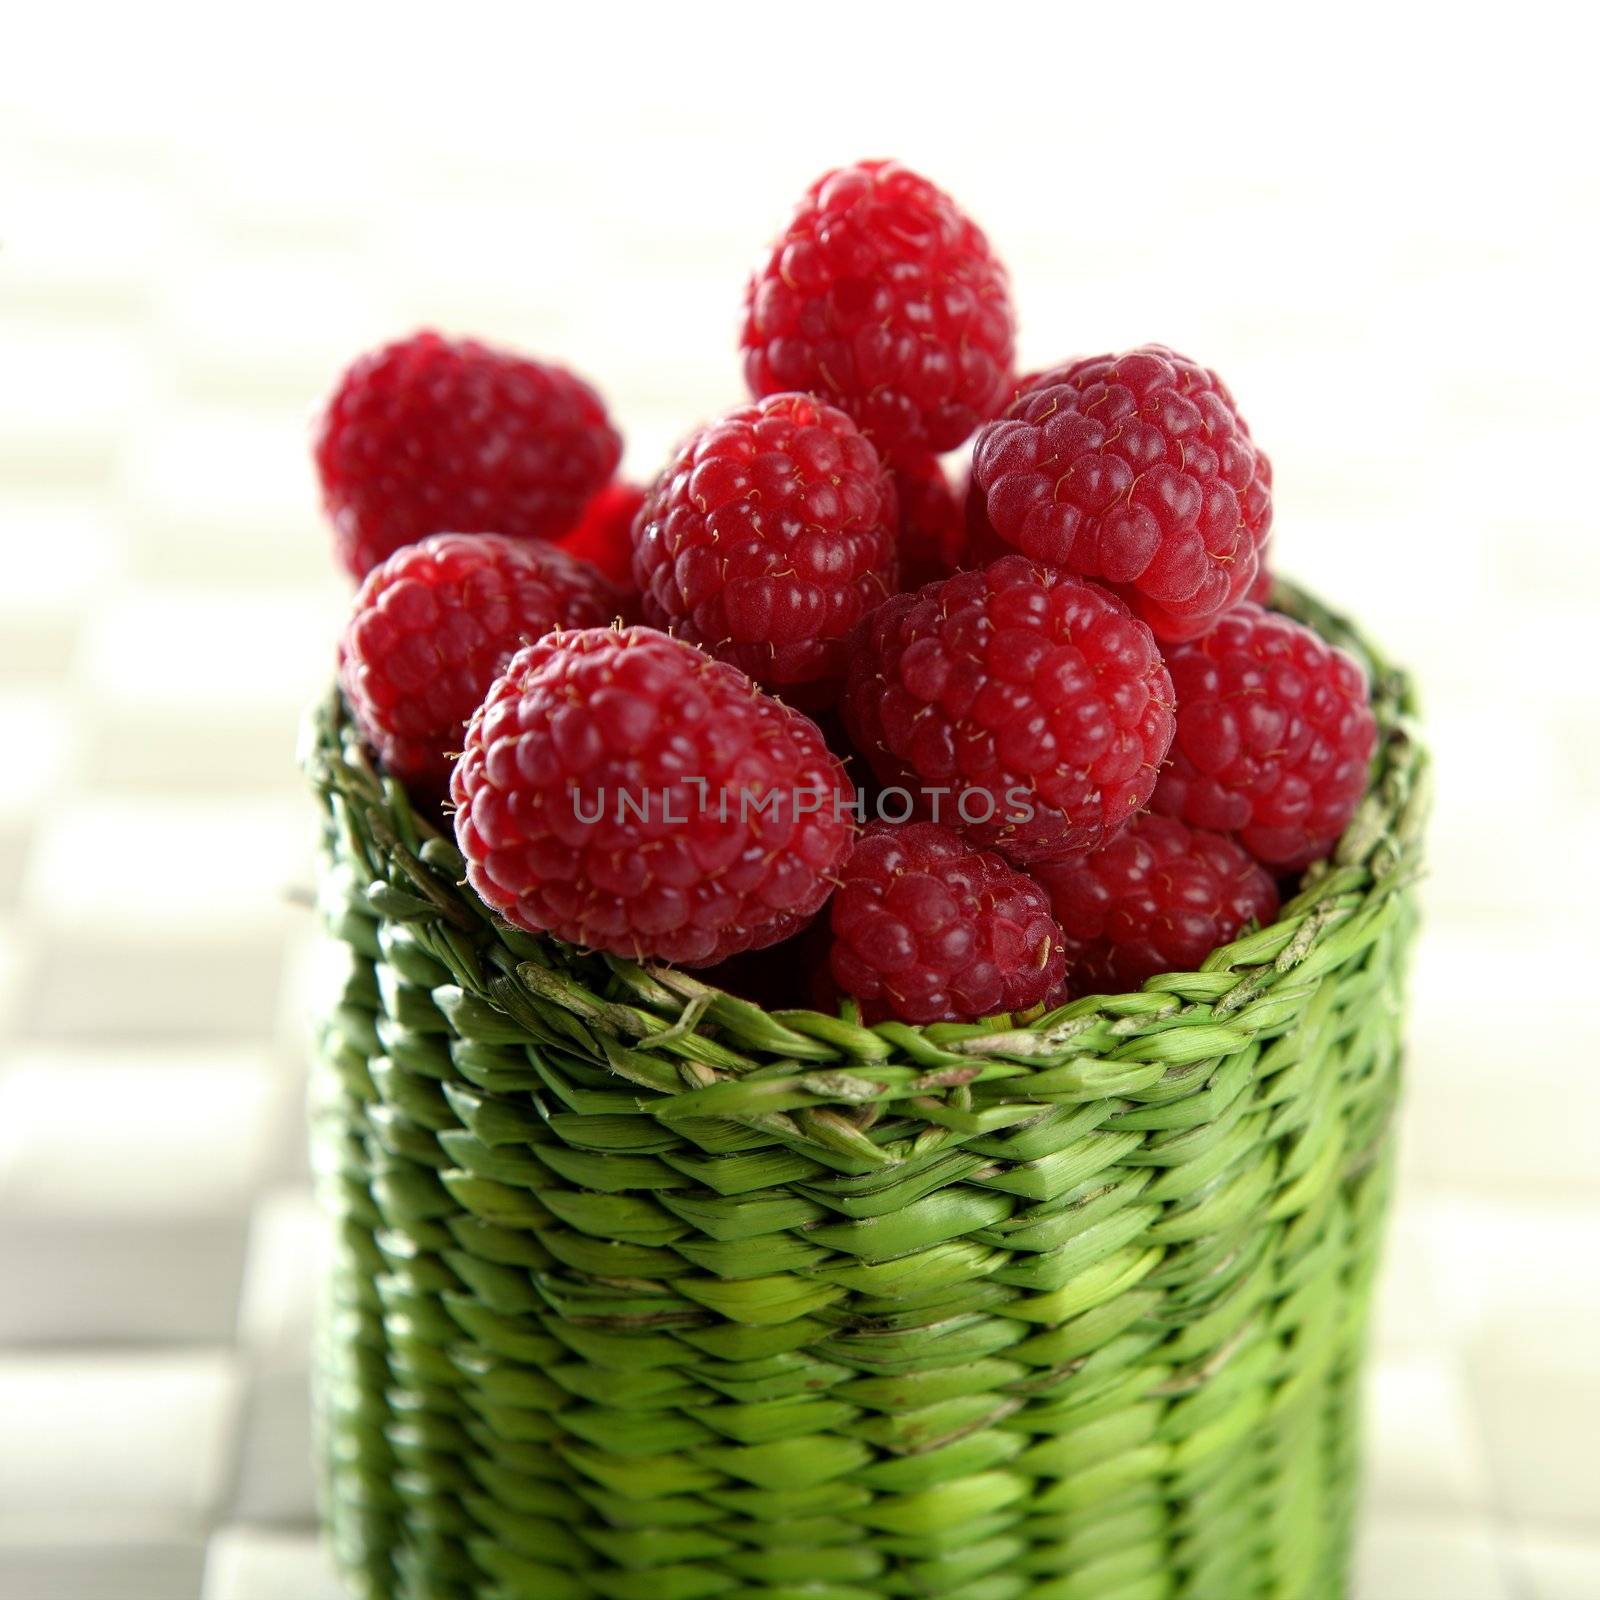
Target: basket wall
point(641, 1292)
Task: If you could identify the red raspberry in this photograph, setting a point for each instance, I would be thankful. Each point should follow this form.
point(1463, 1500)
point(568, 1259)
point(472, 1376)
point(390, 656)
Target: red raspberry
point(928, 929)
point(1038, 700)
point(884, 297)
point(433, 435)
point(625, 792)
point(1136, 470)
point(933, 528)
point(766, 540)
point(1160, 897)
point(1260, 590)
point(1275, 737)
point(604, 538)
point(433, 625)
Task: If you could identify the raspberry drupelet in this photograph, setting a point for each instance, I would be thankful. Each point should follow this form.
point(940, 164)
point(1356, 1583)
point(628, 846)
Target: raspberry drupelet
point(1032, 707)
point(1160, 897)
point(433, 625)
point(1135, 470)
point(435, 435)
point(623, 791)
point(768, 537)
point(883, 297)
point(1275, 737)
point(926, 928)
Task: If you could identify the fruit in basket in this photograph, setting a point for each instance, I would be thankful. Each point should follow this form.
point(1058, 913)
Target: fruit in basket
point(885, 299)
point(1064, 662)
point(434, 435)
point(1275, 737)
point(926, 928)
point(1135, 470)
point(1157, 898)
point(433, 625)
point(910, 1239)
point(1034, 706)
point(626, 792)
point(767, 538)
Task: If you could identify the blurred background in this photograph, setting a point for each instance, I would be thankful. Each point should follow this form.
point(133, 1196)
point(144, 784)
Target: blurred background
point(1380, 225)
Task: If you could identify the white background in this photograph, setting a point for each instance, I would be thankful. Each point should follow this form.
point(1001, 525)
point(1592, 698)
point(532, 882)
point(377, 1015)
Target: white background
point(1377, 223)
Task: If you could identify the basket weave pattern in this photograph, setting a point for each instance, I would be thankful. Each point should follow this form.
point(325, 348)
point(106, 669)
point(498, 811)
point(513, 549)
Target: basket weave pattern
point(642, 1292)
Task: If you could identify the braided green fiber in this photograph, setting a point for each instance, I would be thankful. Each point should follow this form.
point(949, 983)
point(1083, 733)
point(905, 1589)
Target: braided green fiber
point(642, 1292)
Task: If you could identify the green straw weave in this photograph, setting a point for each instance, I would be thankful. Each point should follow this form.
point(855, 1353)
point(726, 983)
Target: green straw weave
point(639, 1291)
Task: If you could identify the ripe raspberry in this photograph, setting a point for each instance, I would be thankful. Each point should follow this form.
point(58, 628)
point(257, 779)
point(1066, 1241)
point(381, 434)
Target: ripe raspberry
point(884, 297)
point(432, 435)
point(767, 538)
point(1275, 737)
point(604, 538)
point(928, 929)
point(1160, 897)
point(1035, 699)
point(625, 792)
point(433, 625)
point(1260, 590)
point(933, 528)
point(1134, 469)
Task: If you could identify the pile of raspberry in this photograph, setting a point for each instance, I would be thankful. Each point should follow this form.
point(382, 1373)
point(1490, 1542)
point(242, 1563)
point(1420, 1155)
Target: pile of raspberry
point(909, 682)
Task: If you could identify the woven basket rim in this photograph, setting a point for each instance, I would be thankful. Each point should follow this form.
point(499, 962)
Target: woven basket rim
point(712, 1053)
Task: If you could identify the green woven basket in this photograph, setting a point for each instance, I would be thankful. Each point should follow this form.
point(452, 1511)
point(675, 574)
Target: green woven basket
point(640, 1291)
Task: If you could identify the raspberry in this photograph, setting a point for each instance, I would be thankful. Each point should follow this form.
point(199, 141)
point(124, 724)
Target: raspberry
point(1160, 897)
point(1260, 590)
point(432, 435)
point(1038, 700)
point(1275, 737)
point(884, 297)
point(767, 538)
point(928, 929)
point(625, 792)
point(1136, 470)
point(604, 538)
point(433, 625)
point(933, 529)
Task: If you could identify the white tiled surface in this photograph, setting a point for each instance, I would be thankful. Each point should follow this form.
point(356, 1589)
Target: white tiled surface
point(140, 1433)
point(1390, 278)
